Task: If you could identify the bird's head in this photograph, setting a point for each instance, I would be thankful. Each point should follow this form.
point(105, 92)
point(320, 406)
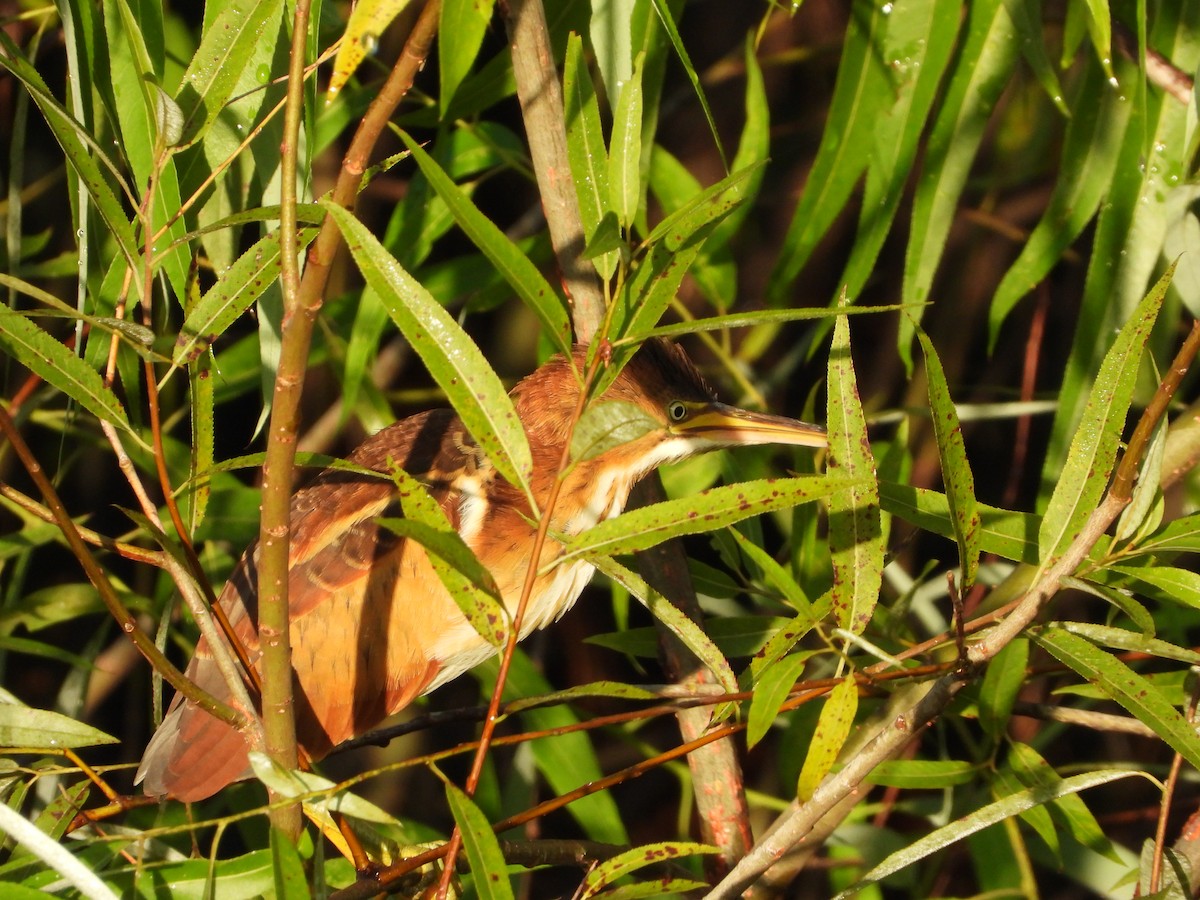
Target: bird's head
point(660, 410)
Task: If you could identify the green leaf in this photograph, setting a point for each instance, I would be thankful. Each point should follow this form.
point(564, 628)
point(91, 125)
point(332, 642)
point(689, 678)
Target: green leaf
point(1139, 697)
point(833, 727)
point(241, 286)
point(81, 152)
point(452, 358)
point(514, 265)
point(566, 760)
point(290, 880)
point(733, 635)
point(585, 149)
point(1089, 160)
point(58, 366)
point(956, 469)
point(863, 88)
point(715, 508)
point(1094, 448)
point(461, 29)
point(920, 40)
point(607, 424)
point(1166, 583)
point(1027, 20)
point(985, 61)
point(612, 870)
point(714, 202)
point(690, 633)
point(770, 690)
point(668, 22)
point(488, 866)
point(1005, 532)
point(1035, 772)
point(924, 774)
point(855, 532)
point(225, 50)
point(987, 815)
point(22, 726)
point(625, 149)
point(1003, 680)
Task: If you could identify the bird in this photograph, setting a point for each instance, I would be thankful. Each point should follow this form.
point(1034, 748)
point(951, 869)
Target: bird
point(371, 625)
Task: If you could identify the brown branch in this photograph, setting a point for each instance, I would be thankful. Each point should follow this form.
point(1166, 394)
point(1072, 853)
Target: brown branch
point(541, 100)
point(103, 586)
point(717, 779)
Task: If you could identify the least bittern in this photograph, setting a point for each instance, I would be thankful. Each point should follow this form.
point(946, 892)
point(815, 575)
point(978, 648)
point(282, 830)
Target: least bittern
point(372, 626)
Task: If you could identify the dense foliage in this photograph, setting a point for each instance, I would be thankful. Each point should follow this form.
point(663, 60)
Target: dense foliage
point(954, 655)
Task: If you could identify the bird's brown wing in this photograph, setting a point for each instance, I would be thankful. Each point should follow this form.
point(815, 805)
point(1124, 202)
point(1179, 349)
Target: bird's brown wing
point(356, 641)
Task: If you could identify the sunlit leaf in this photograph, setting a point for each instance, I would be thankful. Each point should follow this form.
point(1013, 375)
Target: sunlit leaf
point(452, 358)
point(1093, 451)
point(956, 469)
point(483, 850)
point(833, 727)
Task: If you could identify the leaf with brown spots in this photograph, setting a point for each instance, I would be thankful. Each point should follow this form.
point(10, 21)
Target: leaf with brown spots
point(623, 864)
point(956, 470)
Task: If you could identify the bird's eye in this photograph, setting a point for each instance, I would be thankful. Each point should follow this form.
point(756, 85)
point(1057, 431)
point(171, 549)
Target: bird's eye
point(677, 411)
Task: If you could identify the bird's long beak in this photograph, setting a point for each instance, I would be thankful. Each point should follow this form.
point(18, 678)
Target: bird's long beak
point(732, 427)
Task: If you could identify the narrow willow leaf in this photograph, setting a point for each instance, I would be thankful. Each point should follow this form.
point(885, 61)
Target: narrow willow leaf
point(833, 727)
point(1007, 533)
point(1166, 583)
point(203, 392)
point(611, 870)
point(924, 774)
point(956, 470)
point(920, 39)
point(290, 880)
point(293, 784)
point(733, 635)
point(1093, 451)
point(235, 291)
point(625, 149)
point(70, 869)
point(610, 689)
point(607, 424)
point(1027, 20)
point(566, 760)
point(862, 89)
point(667, 19)
point(460, 33)
point(1149, 191)
point(58, 366)
point(855, 532)
point(717, 507)
point(1089, 159)
point(990, 814)
point(985, 61)
point(770, 690)
point(23, 726)
point(1181, 535)
point(225, 50)
point(773, 574)
point(82, 155)
point(783, 640)
point(691, 634)
point(514, 265)
point(1100, 28)
point(469, 584)
point(762, 317)
point(586, 151)
point(715, 201)
point(452, 358)
point(1034, 772)
point(1004, 678)
point(488, 866)
point(1139, 697)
